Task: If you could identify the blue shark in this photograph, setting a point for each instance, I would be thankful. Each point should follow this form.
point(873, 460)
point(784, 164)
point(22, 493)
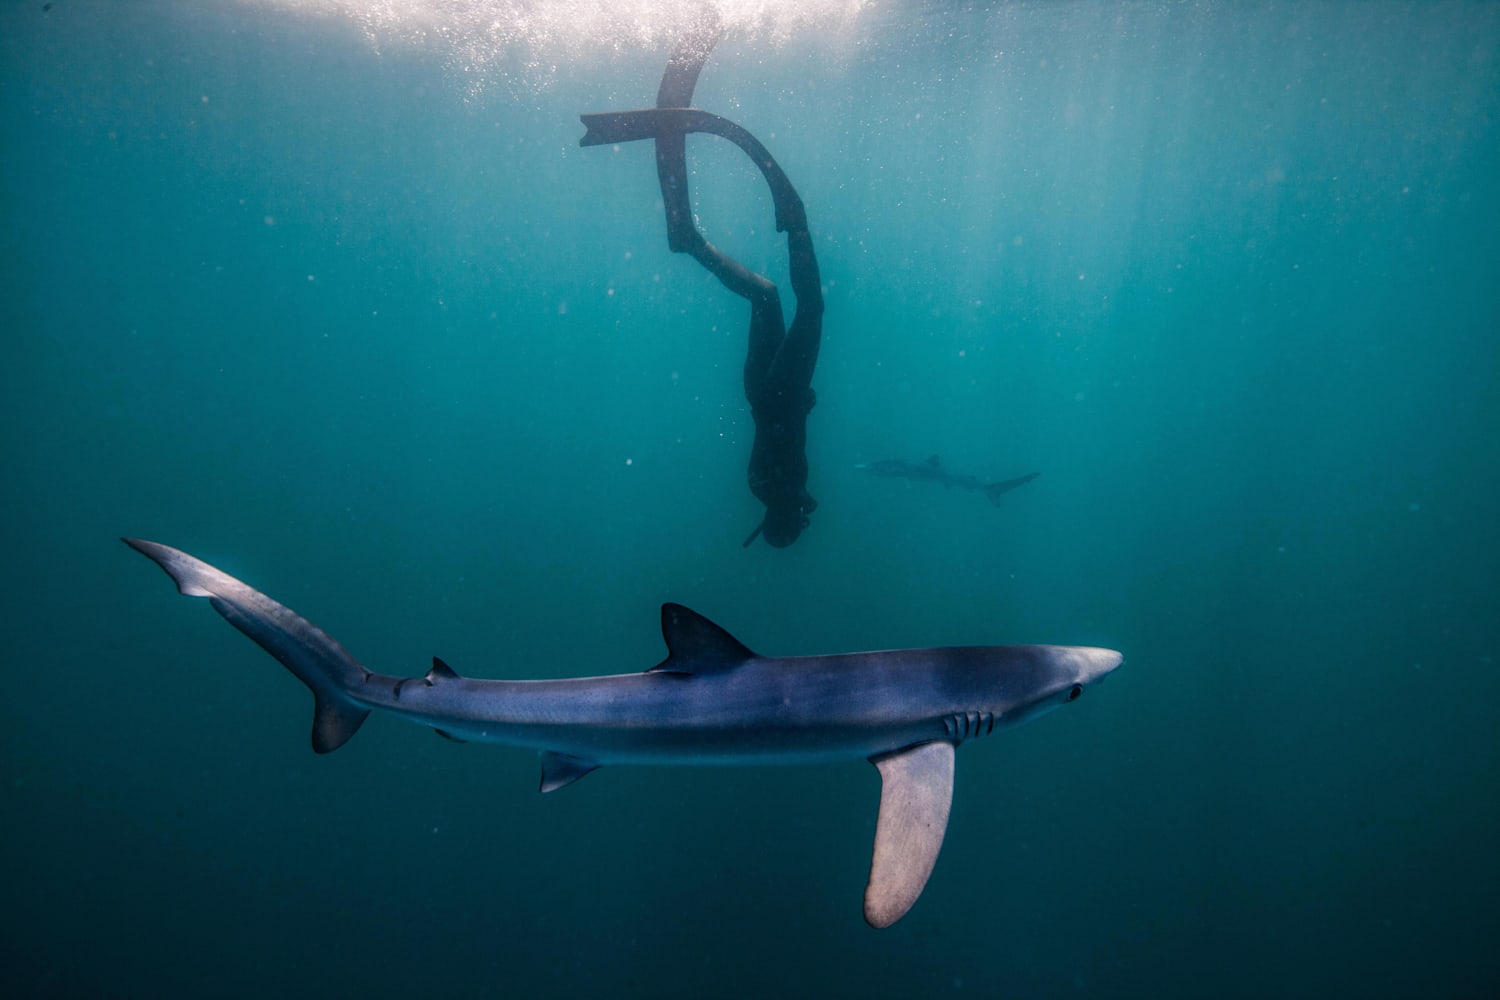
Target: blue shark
point(710, 702)
point(932, 471)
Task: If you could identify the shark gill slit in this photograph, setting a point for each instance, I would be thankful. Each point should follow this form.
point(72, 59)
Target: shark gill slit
point(959, 727)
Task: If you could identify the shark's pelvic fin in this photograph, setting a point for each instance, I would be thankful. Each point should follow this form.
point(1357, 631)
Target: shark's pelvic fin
point(560, 770)
point(916, 792)
point(696, 645)
point(307, 651)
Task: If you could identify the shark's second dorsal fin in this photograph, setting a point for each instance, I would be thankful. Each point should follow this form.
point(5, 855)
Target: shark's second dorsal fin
point(696, 645)
point(916, 792)
point(441, 672)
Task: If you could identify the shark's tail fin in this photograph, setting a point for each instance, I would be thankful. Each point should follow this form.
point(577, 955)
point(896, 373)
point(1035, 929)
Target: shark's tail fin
point(306, 650)
point(997, 490)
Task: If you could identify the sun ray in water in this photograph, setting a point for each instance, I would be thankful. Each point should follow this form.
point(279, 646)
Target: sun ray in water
point(524, 43)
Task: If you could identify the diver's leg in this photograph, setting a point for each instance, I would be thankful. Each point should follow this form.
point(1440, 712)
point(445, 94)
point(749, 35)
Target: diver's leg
point(767, 335)
point(798, 355)
point(739, 279)
point(683, 236)
point(807, 282)
point(778, 465)
point(778, 369)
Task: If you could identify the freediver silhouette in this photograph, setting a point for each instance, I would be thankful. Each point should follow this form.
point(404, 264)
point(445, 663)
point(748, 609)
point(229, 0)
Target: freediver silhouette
point(780, 358)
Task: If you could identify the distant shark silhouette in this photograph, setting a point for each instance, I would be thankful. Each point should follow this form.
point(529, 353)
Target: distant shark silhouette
point(710, 702)
point(932, 471)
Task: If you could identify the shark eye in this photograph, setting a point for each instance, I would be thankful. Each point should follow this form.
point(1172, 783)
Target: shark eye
point(1074, 692)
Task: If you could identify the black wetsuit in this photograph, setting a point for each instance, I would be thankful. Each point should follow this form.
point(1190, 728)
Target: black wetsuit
point(779, 360)
point(778, 384)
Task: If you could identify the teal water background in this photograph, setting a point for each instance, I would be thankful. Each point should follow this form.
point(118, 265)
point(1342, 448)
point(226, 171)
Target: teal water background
point(329, 296)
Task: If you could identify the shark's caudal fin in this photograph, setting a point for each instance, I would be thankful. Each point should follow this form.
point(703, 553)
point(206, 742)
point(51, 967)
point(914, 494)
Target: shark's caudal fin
point(997, 490)
point(916, 792)
point(303, 648)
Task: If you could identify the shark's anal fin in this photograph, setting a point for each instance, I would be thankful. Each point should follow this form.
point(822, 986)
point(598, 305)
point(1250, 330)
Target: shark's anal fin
point(916, 792)
point(560, 770)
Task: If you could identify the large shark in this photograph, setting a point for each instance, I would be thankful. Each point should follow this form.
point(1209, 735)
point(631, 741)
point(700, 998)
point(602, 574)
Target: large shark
point(711, 701)
point(932, 471)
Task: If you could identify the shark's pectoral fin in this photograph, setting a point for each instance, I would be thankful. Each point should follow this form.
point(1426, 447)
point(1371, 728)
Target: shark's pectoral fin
point(916, 792)
point(560, 769)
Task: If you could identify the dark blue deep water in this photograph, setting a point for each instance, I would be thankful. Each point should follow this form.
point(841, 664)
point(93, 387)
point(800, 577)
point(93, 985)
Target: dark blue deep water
point(326, 293)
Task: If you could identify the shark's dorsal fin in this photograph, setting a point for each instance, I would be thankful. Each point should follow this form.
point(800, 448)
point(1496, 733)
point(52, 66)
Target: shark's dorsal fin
point(560, 770)
point(933, 461)
point(696, 645)
point(441, 672)
point(916, 792)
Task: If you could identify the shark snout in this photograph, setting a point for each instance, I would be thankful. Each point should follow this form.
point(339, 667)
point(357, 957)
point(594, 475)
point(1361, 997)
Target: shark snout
point(1092, 662)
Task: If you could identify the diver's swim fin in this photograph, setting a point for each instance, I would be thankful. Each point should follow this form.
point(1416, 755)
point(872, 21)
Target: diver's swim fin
point(608, 127)
point(678, 81)
point(681, 75)
point(662, 124)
